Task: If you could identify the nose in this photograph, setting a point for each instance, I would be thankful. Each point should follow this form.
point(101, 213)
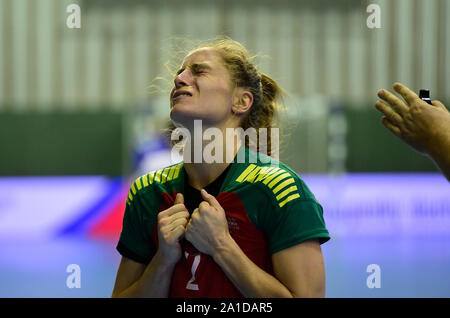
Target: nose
point(183, 79)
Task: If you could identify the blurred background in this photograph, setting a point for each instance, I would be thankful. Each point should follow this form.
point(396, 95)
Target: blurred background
point(80, 118)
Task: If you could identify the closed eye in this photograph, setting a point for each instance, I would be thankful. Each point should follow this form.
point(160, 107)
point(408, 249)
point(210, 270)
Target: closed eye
point(198, 70)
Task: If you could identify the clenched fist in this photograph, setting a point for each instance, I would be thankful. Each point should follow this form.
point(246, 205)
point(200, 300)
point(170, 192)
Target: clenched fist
point(171, 228)
point(207, 229)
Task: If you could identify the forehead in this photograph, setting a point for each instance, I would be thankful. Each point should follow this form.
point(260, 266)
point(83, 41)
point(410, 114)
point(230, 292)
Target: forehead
point(204, 55)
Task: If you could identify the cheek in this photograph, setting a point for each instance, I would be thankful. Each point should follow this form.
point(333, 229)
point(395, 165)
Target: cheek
point(218, 95)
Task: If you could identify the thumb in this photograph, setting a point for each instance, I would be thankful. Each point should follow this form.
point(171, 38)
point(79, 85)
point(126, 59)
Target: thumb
point(179, 198)
point(438, 104)
point(210, 199)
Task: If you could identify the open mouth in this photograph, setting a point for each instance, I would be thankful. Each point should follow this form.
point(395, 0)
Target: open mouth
point(181, 94)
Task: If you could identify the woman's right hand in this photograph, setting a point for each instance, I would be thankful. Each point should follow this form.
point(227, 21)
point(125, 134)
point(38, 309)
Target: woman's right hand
point(171, 227)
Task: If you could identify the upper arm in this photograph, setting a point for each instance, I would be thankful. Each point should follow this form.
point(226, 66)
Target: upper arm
point(301, 269)
point(129, 272)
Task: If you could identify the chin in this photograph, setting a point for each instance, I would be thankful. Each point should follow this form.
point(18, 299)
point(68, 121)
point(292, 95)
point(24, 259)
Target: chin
point(182, 117)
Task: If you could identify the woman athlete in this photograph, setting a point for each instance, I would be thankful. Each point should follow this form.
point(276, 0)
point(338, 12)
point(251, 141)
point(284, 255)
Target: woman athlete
point(228, 228)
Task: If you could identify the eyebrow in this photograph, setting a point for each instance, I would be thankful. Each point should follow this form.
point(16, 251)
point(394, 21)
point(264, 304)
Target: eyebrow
point(195, 66)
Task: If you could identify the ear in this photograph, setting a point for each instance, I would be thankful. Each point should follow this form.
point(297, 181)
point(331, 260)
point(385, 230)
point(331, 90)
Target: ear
point(242, 101)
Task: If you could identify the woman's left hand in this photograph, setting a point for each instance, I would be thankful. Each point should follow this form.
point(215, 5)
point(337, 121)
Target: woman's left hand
point(207, 229)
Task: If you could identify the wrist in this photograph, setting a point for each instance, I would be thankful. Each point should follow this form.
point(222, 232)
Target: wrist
point(438, 139)
point(437, 147)
point(165, 263)
point(155, 281)
point(226, 247)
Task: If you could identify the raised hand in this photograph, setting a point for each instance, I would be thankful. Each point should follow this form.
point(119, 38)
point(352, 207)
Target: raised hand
point(412, 119)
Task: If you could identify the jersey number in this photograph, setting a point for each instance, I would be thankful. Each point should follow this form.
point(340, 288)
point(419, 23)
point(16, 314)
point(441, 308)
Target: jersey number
point(190, 284)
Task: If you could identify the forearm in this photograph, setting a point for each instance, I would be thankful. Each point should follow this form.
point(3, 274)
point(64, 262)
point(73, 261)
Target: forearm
point(441, 157)
point(246, 276)
point(154, 282)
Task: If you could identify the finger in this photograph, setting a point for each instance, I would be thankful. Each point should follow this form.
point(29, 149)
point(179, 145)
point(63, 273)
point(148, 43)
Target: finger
point(388, 112)
point(168, 220)
point(389, 125)
point(179, 215)
point(172, 210)
point(172, 219)
point(177, 234)
point(172, 226)
point(439, 105)
point(189, 224)
point(179, 198)
point(406, 93)
point(204, 206)
point(194, 216)
point(189, 227)
point(210, 199)
point(395, 102)
point(188, 234)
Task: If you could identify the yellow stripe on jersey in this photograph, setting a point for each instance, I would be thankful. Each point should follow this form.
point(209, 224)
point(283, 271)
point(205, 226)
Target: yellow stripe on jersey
point(150, 177)
point(264, 173)
point(177, 171)
point(138, 183)
point(167, 173)
point(289, 198)
point(158, 176)
point(283, 184)
point(164, 175)
point(130, 194)
point(273, 175)
point(171, 172)
point(278, 179)
point(251, 176)
point(245, 173)
point(286, 192)
point(145, 180)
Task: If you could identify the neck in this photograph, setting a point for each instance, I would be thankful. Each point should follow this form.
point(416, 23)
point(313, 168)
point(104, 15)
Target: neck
point(202, 167)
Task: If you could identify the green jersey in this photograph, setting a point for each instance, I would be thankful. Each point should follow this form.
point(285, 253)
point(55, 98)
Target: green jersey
point(267, 206)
